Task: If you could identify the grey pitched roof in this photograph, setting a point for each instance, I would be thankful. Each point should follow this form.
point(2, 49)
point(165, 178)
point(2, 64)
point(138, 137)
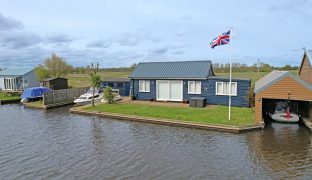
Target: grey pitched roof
point(117, 80)
point(15, 71)
point(274, 77)
point(173, 70)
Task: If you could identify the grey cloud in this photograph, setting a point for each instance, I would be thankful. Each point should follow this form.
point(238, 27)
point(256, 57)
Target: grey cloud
point(27, 57)
point(13, 35)
point(99, 44)
point(129, 39)
point(160, 51)
point(58, 38)
point(137, 37)
point(7, 24)
point(171, 49)
point(19, 39)
point(178, 49)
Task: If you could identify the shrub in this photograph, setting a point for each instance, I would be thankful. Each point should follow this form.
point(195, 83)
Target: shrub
point(251, 96)
point(108, 95)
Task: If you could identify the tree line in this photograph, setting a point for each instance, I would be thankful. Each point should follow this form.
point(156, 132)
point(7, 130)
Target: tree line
point(56, 66)
point(241, 67)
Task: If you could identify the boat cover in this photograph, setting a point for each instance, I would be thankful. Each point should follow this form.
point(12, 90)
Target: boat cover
point(34, 92)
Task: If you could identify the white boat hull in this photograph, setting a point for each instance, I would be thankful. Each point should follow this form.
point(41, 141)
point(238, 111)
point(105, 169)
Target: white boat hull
point(24, 100)
point(85, 102)
point(282, 117)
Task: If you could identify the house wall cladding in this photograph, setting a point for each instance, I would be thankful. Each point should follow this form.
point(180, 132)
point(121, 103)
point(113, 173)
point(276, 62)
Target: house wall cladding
point(208, 90)
point(31, 79)
point(143, 95)
point(123, 91)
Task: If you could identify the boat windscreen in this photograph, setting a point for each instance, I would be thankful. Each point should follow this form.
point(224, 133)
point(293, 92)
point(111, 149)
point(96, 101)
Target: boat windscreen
point(281, 106)
point(82, 98)
point(90, 91)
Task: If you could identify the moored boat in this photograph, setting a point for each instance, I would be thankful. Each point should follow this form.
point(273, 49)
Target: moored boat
point(283, 114)
point(88, 96)
point(33, 93)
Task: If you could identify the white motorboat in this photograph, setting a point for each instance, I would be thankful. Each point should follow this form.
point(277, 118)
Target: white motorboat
point(88, 96)
point(282, 113)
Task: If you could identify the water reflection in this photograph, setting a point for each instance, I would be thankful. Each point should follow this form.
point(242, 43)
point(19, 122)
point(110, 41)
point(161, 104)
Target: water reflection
point(283, 149)
point(59, 145)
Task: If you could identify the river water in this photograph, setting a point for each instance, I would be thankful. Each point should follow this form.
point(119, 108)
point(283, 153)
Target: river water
point(54, 144)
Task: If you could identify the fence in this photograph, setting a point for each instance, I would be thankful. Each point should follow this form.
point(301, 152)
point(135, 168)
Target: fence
point(62, 97)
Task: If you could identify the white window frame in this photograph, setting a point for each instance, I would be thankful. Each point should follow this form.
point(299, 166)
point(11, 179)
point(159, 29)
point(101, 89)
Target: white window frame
point(145, 88)
point(9, 83)
point(225, 94)
point(196, 91)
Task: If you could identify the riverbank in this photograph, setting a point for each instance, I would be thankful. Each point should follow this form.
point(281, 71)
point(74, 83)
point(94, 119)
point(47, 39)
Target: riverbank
point(35, 105)
point(7, 98)
point(211, 118)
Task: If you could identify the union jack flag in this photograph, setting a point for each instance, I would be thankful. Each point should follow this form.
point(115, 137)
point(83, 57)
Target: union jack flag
point(221, 40)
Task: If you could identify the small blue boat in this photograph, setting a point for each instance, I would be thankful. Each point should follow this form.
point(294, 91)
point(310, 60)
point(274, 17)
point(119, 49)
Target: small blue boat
point(33, 93)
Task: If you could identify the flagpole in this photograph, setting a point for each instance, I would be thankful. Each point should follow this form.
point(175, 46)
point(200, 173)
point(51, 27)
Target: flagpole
point(230, 84)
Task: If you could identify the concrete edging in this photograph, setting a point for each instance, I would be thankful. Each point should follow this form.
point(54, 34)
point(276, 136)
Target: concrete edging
point(177, 123)
point(34, 106)
point(45, 107)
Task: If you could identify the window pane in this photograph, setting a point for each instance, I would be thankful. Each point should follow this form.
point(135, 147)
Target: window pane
point(234, 88)
point(141, 85)
point(147, 86)
point(226, 88)
point(219, 88)
point(198, 87)
point(191, 87)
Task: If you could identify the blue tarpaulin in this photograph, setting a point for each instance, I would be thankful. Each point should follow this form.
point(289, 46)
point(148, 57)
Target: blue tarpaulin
point(34, 92)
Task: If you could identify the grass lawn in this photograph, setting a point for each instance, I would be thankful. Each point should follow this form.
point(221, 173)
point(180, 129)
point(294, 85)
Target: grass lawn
point(252, 75)
point(83, 80)
point(217, 115)
point(5, 96)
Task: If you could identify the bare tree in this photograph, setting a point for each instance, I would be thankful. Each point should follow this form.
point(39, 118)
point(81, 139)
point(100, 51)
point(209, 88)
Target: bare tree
point(54, 66)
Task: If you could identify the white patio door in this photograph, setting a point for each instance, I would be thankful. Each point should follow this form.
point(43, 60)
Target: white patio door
point(163, 90)
point(169, 90)
point(9, 83)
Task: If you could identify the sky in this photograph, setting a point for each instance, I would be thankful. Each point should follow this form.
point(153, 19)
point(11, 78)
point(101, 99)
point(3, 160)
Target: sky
point(118, 33)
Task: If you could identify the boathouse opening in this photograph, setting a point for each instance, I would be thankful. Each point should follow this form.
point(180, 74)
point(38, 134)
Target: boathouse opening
point(302, 108)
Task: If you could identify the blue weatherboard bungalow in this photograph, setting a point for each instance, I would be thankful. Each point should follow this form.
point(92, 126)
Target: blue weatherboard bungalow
point(180, 81)
point(14, 79)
